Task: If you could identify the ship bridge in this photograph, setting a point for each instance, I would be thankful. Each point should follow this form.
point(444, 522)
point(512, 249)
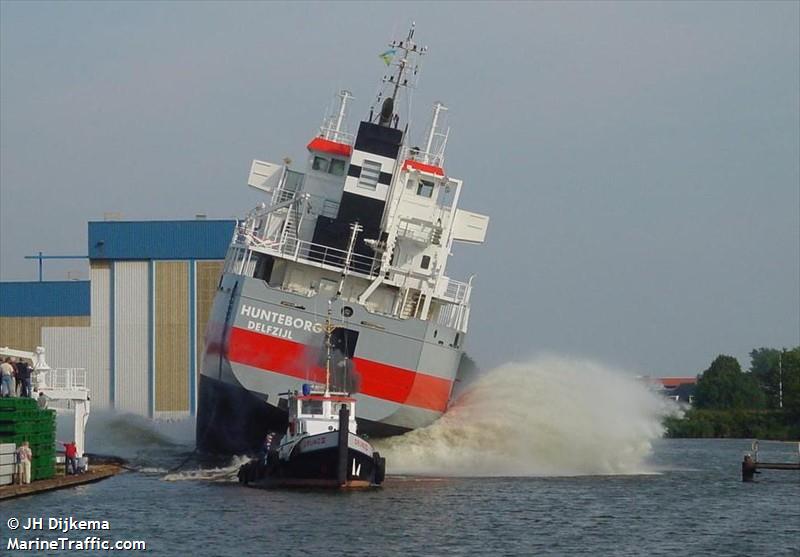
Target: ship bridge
point(369, 207)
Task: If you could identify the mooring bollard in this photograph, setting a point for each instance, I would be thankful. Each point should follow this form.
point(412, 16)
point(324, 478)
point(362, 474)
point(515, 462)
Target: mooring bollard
point(748, 468)
point(752, 466)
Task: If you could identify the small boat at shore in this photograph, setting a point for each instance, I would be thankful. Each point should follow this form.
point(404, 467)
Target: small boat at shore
point(321, 446)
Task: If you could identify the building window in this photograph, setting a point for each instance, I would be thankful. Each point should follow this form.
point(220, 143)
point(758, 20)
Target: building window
point(425, 188)
point(337, 167)
point(370, 172)
point(426, 261)
point(320, 163)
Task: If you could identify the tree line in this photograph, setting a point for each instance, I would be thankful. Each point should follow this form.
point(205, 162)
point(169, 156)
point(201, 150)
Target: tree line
point(763, 401)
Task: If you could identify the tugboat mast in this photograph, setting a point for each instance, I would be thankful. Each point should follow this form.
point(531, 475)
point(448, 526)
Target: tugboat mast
point(329, 328)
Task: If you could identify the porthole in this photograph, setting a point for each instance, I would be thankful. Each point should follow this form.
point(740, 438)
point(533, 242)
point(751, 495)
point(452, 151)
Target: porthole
point(347, 311)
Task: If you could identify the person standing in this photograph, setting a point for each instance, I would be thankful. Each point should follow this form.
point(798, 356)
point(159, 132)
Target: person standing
point(24, 457)
point(70, 458)
point(24, 378)
point(6, 378)
point(15, 365)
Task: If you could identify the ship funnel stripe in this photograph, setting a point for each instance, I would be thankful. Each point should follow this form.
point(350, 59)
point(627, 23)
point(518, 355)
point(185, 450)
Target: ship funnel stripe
point(378, 380)
point(387, 164)
point(378, 140)
point(377, 148)
point(355, 172)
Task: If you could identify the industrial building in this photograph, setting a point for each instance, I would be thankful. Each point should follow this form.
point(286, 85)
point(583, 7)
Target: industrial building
point(137, 325)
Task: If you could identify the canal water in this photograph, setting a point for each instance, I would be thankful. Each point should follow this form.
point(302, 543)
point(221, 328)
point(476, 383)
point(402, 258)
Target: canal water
point(553, 457)
point(693, 503)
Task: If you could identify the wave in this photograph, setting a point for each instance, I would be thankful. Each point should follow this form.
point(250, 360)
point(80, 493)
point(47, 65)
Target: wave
point(218, 474)
point(551, 416)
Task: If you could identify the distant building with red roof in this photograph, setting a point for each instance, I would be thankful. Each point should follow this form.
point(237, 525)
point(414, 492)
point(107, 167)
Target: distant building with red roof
point(679, 389)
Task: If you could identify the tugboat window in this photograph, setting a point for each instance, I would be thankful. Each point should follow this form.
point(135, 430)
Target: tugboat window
point(320, 163)
point(425, 188)
point(312, 407)
point(370, 172)
point(337, 167)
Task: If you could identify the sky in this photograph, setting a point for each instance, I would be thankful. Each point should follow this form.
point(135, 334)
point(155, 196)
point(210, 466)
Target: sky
point(640, 161)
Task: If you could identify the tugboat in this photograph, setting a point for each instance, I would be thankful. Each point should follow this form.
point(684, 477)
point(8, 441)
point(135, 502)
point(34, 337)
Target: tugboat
point(321, 447)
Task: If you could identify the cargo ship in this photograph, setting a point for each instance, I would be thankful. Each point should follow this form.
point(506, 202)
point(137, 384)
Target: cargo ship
point(369, 224)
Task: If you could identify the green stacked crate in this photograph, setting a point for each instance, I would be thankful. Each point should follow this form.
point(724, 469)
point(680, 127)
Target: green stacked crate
point(21, 420)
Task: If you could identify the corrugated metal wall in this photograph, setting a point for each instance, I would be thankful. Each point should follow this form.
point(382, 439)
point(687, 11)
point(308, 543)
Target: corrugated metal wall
point(172, 329)
point(151, 367)
point(24, 333)
point(87, 347)
point(99, 365)
point(69, 347)
point(131, 362)
point(138, 326)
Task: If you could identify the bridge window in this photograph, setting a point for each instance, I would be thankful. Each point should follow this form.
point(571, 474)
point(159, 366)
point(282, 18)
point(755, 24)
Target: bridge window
point(425, 188)
point(370, 172)
point(426, 261)
point(329, 166)
point(320, 163)
point(337, 167)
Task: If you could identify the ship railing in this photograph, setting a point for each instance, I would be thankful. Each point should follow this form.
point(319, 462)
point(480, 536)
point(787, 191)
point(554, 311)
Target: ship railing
point(454, 316)
point(245, 236)
point(62, 378)
point(453, 290)
point(418, 233)
point(283, 195)
point(414, 154)
point(332, 134)
point(317, 255)
point(311, 253)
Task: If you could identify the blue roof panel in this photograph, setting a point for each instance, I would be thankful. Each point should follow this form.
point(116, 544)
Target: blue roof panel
point(186, 239)
point(44, 299)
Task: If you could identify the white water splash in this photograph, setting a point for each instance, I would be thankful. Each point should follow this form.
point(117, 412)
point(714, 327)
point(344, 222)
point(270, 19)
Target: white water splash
point(129, 435)
point(552, 416)
point(152, 470)
point(221, 474)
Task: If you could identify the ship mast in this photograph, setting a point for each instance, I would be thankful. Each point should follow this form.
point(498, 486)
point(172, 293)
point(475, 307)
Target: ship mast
point(406, 63)
point(406, 47)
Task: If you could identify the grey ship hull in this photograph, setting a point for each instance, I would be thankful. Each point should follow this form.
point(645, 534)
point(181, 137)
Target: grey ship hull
point(263, 341)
